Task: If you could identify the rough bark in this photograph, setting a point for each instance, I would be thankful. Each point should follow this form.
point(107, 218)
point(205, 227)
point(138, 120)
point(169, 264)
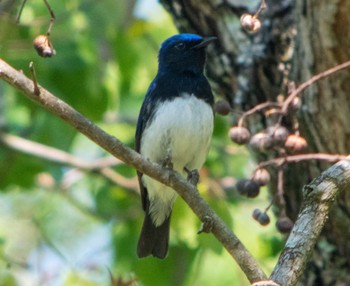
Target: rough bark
point(298, 39)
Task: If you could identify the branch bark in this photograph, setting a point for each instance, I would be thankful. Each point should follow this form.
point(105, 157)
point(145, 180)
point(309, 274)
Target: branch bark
point(115, 147)
point(53, 154)
point(101, 166)
point(319, 197)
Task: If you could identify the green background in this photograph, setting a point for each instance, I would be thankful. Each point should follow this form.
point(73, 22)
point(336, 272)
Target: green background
point(63, 226)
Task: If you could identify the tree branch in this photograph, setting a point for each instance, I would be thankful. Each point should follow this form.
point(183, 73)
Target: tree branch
point(319, 196)
point(101, 166)
point(112, 145)
point(279, 161)
point(295, 93)
point(53, 154)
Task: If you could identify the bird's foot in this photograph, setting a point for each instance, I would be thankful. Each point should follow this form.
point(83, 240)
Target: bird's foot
point(206, 226)
point(192, 176)
point(167, 164)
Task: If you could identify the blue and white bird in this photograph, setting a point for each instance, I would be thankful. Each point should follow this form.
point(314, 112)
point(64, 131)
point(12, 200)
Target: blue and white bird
point(174, 128)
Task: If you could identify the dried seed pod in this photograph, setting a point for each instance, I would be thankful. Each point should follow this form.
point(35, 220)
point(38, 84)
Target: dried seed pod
point(261, 217)
point(295, 144)
point(250, 23)
point(278, 134)
point(264, 219)
point(43, 46)
point(241, 187)
point(248, 188)
point(261, 141)
point(284, 224)
point(256, 214)
point(222, 107)
point(261, 176)
point(239, 135)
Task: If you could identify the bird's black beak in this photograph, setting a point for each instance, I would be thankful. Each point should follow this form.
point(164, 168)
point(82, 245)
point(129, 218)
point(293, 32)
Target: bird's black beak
point(205, 42)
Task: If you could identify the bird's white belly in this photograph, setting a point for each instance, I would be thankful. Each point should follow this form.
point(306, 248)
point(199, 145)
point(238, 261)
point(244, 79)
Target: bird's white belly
point(180, 131)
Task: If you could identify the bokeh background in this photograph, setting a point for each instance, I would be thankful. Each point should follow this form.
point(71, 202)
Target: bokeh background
point(60, 225)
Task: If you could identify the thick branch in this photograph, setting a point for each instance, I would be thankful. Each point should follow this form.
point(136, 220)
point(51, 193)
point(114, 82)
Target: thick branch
point(319, 196)
point(112, 145)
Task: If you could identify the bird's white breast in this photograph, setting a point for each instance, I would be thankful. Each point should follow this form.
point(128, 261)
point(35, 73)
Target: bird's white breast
point(180, 130)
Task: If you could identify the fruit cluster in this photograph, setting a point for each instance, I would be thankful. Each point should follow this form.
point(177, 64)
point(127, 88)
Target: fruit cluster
point(275, 138)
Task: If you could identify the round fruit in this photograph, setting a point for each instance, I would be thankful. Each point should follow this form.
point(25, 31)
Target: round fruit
point(239, 135)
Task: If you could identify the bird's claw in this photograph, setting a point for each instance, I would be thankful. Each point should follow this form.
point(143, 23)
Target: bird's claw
point(192, 176)
point(167, 163)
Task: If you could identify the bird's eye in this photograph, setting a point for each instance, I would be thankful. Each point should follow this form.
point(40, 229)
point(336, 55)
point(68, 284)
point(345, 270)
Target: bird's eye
point(180, 46)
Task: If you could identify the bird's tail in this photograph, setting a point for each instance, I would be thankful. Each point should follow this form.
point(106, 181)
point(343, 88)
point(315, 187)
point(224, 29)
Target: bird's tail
point(154, 240)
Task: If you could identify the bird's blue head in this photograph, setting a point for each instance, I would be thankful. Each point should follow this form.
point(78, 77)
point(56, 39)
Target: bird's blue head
point(183, 53)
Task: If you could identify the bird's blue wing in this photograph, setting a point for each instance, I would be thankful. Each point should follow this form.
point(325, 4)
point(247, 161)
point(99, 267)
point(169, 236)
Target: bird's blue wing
point(146, 113)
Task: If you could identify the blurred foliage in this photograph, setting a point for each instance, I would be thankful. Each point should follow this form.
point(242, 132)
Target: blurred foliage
point(61, 226)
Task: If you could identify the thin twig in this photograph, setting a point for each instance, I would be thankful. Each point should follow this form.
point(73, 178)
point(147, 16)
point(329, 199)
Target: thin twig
point(280, 189)
point(100, 166)
point(261, 8)
point(35, 82)
point(52, 17)
point(283, 108)
point(309, 82)
point(116, 178)
point(55, 155)
point(20, 11)
point(303, 157)
point(269, 206)
point(257, 108)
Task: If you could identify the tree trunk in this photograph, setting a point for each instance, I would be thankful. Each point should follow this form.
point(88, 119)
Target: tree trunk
point(298, 39)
